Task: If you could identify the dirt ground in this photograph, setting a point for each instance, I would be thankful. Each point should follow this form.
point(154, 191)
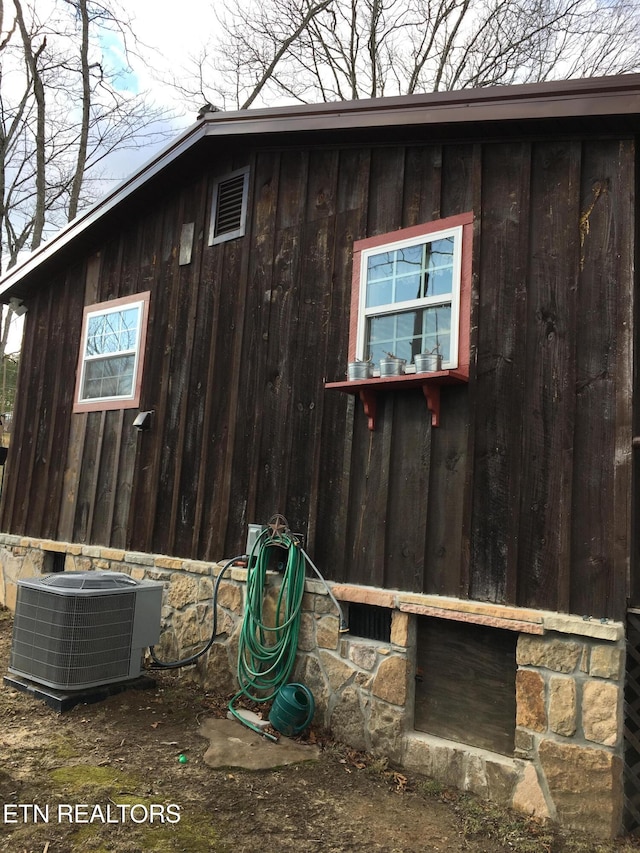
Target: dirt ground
point(108, 777)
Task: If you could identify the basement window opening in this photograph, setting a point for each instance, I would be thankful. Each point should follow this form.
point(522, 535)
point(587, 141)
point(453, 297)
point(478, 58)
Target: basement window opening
point(54, 562)
point(229, 209)
point(370, 622)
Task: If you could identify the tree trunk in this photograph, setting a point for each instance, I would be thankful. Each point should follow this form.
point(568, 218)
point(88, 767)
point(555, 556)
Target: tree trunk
point(31, 61)
point(81, 160)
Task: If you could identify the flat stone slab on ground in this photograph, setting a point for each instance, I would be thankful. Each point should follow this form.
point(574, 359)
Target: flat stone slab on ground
point(251, 717)
point(233, 745)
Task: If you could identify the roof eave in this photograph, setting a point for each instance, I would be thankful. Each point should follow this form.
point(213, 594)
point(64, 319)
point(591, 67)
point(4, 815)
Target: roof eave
point(586, 97)
point(591, 97)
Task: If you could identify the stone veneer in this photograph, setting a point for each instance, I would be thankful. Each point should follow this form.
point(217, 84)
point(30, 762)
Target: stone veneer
point(567, 763)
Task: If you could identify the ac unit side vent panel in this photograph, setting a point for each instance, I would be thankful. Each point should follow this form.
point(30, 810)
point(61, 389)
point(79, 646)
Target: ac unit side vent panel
point(78, 638)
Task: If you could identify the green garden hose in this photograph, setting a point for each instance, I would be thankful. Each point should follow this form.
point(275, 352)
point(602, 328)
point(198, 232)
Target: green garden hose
point(266, 652)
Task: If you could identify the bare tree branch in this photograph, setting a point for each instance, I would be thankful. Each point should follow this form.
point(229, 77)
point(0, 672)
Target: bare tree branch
point(63, 110)
point(369, 48)
point(31, 59)
point(83, 141)
point(283, 48)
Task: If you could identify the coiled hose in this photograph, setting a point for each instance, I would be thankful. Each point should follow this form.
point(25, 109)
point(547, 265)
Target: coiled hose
point(266, 652)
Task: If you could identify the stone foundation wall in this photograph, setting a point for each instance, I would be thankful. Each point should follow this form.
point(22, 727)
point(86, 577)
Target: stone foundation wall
point(569, 724)
point(567, 763)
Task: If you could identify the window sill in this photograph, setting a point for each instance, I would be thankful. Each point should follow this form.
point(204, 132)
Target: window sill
point(368, 389)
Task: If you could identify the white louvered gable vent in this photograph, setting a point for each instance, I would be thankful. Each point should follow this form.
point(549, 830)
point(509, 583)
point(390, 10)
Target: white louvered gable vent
point(229, 211)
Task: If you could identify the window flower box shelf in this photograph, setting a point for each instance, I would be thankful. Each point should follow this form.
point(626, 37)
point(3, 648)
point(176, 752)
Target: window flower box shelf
point(368, 389)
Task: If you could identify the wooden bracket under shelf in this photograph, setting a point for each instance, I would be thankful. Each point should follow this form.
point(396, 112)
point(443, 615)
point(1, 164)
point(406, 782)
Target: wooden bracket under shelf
point(368, 389)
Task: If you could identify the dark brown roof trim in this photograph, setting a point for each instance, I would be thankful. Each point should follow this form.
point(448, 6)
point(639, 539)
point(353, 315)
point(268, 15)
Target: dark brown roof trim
point(596, 96)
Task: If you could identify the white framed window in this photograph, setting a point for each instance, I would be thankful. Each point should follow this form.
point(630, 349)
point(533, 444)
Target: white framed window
point(229, 207)
point(109, 372)
point(408, 293)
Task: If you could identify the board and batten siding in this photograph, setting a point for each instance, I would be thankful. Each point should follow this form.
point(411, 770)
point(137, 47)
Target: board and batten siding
point(522, 494)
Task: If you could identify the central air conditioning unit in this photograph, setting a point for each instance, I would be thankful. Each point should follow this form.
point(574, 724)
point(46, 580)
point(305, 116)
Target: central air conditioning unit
point(77, 630)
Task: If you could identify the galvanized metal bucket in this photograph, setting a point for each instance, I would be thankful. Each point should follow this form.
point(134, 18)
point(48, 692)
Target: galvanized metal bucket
point(392, 366)
point(359, 370)
point(428, 362)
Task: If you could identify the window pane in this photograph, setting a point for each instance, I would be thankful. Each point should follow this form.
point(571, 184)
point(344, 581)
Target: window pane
point(408, 325)
point(381, 329)
point(439, 267)
point(380, 338)
point(380, 266)
point(408, 287)
point(379, 293)
point(439, 282)
point(396, 334)
point(409, 260)
point(108, 377)
point(411, 272)
point(408, 333)
point(380, 279)
point(113, 332)
point(437, 331)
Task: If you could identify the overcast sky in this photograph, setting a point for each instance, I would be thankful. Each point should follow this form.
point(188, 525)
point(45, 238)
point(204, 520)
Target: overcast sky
point(168, 39)
point(175, 30)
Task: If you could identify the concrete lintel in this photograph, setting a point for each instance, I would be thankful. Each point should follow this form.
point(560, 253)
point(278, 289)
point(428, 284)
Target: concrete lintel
point(465, 605)
point(567, 624)
point(53, 545)
point(364, 595)
point(10, 539)
point(474, 618)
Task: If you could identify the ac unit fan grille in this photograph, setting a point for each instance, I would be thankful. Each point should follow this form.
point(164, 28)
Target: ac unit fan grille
point(72, 641)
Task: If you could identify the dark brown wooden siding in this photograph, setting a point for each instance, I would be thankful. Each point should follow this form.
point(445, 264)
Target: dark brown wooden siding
point(521, 495)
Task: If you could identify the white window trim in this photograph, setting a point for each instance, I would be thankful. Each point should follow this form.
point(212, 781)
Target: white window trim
point(380, 310)
point(139, 300)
